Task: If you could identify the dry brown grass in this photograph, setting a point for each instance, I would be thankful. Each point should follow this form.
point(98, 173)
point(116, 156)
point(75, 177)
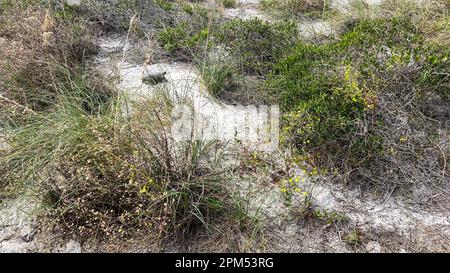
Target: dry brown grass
point(32, 39)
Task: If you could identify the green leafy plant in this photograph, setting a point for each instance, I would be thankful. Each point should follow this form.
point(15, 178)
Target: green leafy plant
point(331, 93)
point(188, 37)
point(296, 8)
point(256, 43)
point(229, 3)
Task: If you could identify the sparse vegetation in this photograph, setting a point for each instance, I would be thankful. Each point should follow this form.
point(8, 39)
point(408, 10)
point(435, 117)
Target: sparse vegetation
point(188, 37)
point(219, 75)
point(115, 15)
point(369, 109)
point(340, 89)
point(297, 8)
point(354, 238)
point(102, 173)
point(252, 43)
point(31, 46)
point(229, 3)
point(107, 177)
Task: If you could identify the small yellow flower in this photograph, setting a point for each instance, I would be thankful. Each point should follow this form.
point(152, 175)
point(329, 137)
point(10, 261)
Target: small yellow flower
point(144, 189)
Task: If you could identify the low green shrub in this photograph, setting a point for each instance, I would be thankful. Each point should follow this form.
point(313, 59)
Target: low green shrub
point(297, 8)
point(229, 3)
point(342, 100)
point(188, 36)
point(176, 40)
point(256, 43)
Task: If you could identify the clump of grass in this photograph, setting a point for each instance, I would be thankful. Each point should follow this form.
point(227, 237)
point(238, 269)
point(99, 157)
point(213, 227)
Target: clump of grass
point(241, 53)
point(354, 238)
point(30, 44)
point(106, 175)
point(223, 79)
point(256, 43)
point(115, 15)
point(219, 75)
point(229, 3)
point(297, 8)
point(91, 99)
point(101, 173)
